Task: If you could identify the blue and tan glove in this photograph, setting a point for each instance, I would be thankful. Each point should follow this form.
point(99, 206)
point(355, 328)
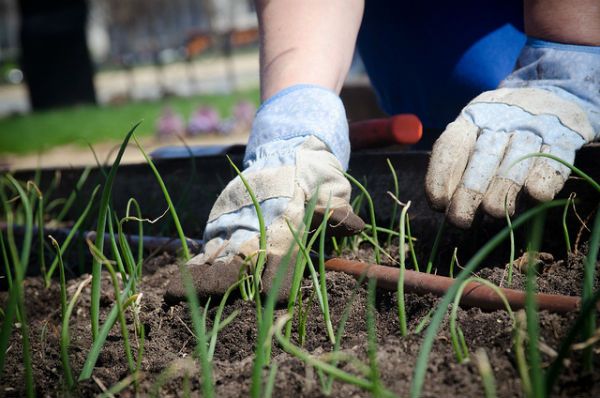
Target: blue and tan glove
point(549, 104)
point(298, 147)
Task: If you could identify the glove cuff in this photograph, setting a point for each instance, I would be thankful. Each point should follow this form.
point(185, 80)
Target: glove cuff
point(539, 43)
point(298, 111)
point(571, 72)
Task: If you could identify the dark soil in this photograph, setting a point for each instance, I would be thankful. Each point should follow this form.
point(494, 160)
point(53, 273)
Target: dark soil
point(170, 342)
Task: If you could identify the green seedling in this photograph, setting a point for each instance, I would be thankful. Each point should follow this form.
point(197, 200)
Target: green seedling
point(589, 266)
point(587, 307)
point(140, 221)
point(378, 389)
point(115, 249)
point(371, 215)
point(262, 244)
point(320, 288)
point(300, 264)
point(456, 335)
point(394, 203)
point(485, 371)
point(119, 304)
point(73, 195)
point(16, 302)
point(436, 244)
point(519, 338)
point(423, 322)
point(327, 368)
point(7, 270)
point(588, 287)
point(199, 323)
point(66, 311)
point(328, 384)
point(271, 380)
point(92, 357)
point(400, 288)
point(39, 215)
point(121, 385)
point(453, 261)
point(531, 309)
point(511, 260)
point(139, 332)
point(172, 210)
point(322, 281)
point(74, 230)
point(54, 183)
point(375, 244)
point(411, 245)
point(570, 200)
point(217, 324)
point(265, 326)
point(100, 229)
point(303, 311)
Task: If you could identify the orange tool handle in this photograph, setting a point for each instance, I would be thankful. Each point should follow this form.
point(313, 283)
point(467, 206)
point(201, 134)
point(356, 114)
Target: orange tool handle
point(403, 129)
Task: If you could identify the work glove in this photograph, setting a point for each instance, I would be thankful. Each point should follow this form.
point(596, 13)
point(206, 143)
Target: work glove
point(298, 148)
point(549, 104)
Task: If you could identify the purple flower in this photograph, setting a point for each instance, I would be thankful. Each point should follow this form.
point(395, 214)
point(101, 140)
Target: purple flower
point(204, 121)
point(169, 124)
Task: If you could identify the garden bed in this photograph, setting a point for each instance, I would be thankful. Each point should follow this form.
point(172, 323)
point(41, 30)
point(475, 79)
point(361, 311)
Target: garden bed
point(374, 356)
point(170, 342)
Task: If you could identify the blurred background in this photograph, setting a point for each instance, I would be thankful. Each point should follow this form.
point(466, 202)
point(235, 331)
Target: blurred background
point(81, 72)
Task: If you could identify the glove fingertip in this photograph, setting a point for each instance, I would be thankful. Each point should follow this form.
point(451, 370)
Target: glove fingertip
point(448, 161)
point(544, 182)
point(342, 221)
point(494, 200)
point(463, 207)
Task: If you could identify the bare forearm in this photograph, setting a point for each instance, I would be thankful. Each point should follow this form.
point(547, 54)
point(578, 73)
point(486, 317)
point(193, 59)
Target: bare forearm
point(306, 41)
point(564, 21)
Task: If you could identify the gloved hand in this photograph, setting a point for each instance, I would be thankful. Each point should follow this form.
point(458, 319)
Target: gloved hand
point(549, 104)
point(298, 147)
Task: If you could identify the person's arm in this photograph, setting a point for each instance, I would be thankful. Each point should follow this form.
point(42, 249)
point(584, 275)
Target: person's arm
point(306, 42)
point(564, 21)
point(298, 144)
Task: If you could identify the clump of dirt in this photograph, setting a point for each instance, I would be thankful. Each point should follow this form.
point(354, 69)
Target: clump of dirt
point(170, 342)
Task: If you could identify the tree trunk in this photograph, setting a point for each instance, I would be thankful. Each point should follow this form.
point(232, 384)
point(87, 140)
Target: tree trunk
point(54, 54)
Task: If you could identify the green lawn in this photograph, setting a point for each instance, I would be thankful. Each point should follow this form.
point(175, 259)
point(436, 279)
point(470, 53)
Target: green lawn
point(41, 131)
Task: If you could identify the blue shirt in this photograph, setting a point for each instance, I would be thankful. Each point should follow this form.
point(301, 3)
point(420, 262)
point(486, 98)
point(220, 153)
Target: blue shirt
point(432, 57)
